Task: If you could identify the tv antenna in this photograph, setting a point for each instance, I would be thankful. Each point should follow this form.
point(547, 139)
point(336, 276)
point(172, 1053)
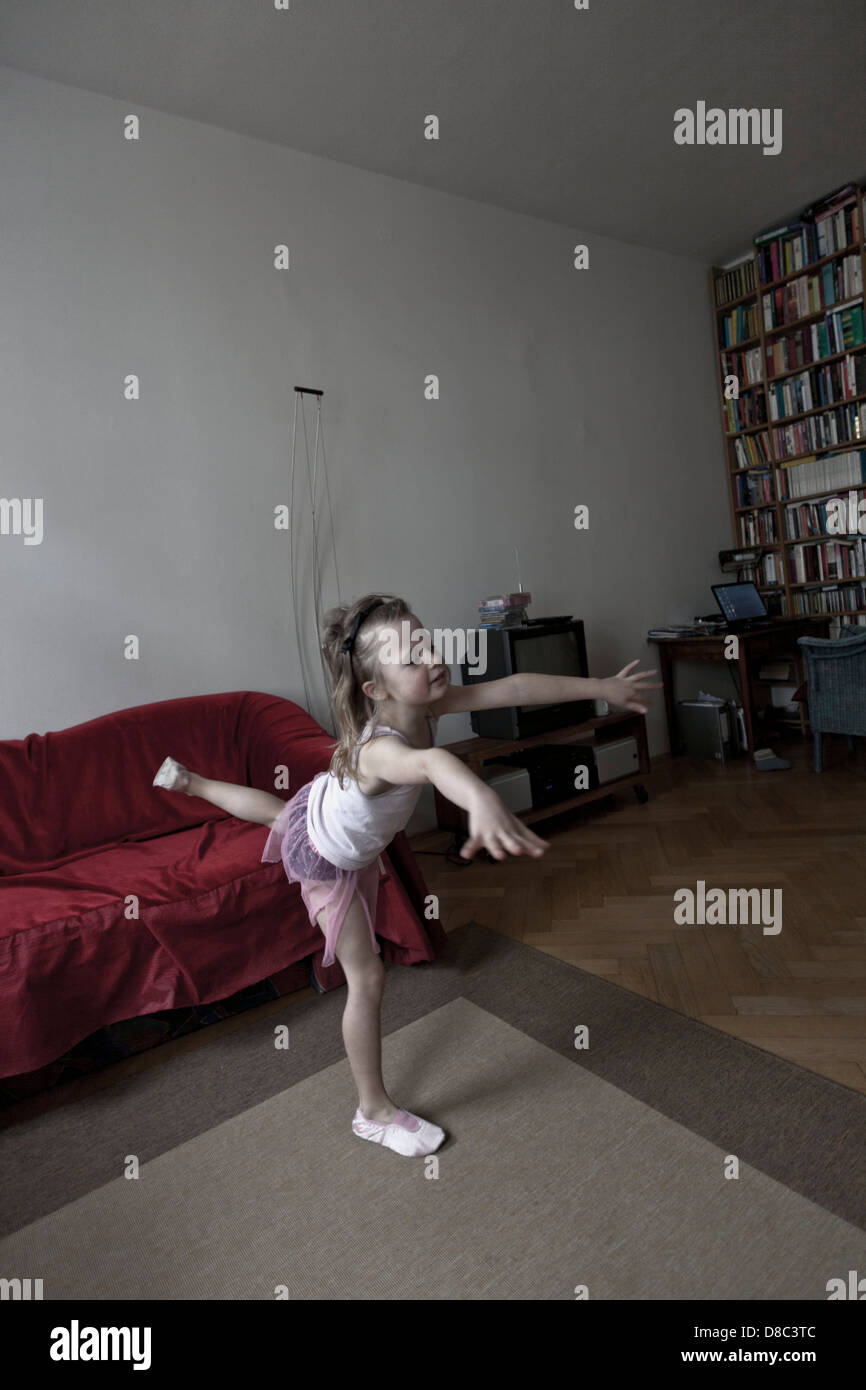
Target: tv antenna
point(519, 580)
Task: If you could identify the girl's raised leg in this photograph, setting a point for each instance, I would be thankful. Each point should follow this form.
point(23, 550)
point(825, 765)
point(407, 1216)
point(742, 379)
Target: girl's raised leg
point(247, 803)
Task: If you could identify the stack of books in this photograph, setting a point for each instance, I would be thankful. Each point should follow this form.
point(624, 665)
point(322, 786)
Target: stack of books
point(696, 629)
point(504, 610)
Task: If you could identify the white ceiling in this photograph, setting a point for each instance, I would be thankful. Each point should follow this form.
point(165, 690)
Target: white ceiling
point(562, 114)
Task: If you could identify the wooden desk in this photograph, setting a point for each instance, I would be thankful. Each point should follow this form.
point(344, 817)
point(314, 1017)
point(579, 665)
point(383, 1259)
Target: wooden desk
point(754, 647)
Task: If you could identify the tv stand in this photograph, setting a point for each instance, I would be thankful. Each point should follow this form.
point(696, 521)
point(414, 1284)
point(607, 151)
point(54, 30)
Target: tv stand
point(474, 752)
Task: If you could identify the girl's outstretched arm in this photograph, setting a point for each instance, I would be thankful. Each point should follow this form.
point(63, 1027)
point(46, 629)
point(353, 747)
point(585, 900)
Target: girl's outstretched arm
point(491, 824)
point(622, 690)
point(533, 688)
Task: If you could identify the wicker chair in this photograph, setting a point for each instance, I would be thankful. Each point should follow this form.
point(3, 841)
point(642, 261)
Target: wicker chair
point(836, 685)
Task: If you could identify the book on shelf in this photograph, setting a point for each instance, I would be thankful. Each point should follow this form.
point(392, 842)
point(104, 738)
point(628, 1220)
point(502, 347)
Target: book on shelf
point(820, 385)
point(831, 598)
point(829, 286)
point(844, 424)
point(758, 528)
point(829, 201)
point(822, 560)
point(765, 573)
point(739, 325)
point(754, 489)
point(746, 411)
point(753, 450)
point(825, 474)
point(822, 230)
point(737, 280)
point(746, 366)
point(842, 329)
point(814, 518)
point(768, 572)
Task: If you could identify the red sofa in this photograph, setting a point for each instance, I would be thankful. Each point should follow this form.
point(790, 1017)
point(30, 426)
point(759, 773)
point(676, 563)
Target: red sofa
point(84, 836)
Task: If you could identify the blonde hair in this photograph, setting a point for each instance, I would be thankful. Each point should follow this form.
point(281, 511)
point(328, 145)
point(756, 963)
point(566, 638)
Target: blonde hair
point(349, 670)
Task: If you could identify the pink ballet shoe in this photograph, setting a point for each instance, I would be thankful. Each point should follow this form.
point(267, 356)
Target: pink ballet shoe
point(173, 776)
point(406, 1134)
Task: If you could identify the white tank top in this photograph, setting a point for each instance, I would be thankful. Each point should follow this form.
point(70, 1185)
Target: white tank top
point(351, 829)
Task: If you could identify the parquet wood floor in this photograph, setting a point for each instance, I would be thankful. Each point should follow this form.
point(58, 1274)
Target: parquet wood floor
point(602, 898)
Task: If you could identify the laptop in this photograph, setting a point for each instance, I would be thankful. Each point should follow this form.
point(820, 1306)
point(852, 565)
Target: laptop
point(742, 606)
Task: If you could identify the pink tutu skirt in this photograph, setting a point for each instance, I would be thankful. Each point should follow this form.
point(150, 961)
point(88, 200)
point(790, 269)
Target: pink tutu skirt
point(323, 885)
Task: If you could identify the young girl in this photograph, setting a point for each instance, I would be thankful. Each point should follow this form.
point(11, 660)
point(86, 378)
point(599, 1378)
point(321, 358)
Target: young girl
point(389, 689)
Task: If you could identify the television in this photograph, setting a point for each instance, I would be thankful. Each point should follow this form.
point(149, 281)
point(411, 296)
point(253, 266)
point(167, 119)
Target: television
point(555, 650)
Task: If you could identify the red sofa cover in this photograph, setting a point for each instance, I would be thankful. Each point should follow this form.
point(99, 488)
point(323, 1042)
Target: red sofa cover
point(86, 840)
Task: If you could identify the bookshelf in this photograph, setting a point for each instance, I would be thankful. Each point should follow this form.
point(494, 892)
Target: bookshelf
point(789, 324)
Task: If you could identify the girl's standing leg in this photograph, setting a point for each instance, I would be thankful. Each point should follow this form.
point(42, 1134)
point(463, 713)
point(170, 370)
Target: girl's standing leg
point(362, 1030)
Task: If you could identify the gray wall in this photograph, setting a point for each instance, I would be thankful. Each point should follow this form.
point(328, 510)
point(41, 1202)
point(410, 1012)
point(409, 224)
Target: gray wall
point(156, 257)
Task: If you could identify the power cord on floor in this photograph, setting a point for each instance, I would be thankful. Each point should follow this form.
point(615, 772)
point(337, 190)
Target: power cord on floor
point(452, 853)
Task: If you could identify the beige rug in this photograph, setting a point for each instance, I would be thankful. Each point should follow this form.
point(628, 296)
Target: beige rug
point(553, 1174)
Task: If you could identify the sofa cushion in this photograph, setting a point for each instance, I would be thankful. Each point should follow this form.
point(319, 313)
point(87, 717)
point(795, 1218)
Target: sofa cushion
point(214, 857)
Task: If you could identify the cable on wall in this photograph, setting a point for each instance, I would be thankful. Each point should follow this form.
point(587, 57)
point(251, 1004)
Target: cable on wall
point(312, 485)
